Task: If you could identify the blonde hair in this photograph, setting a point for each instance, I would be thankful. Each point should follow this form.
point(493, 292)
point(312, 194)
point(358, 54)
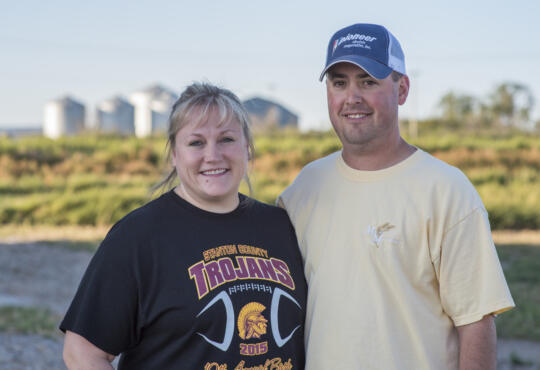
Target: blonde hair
point(194, 105)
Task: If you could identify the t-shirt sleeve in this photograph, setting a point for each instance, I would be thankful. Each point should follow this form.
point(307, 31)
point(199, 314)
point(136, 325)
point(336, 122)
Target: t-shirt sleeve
point(472, 282)
point(105, 309)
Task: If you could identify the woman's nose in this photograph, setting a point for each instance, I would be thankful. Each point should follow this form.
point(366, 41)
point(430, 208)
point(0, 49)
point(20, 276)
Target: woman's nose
point(212, 152)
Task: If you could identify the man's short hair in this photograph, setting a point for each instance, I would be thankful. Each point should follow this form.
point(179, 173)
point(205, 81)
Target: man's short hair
point(396, 76)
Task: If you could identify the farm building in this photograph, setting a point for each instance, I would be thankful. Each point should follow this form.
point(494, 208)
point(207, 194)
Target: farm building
point(63, 117)
point(152, 108)
point(116, 115)
point(265, 113)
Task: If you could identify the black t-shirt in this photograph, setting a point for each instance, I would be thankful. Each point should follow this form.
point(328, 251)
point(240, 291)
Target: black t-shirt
point(176, 287)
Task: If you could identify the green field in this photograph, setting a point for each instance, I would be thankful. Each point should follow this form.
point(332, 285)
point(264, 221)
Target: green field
point(521, 264)
point(95, 180)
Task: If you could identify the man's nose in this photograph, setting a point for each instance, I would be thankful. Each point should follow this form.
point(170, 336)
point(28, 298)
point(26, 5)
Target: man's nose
point(354, 95)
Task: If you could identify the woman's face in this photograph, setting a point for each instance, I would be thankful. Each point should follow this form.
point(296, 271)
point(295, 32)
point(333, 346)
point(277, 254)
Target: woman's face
point(210, 161)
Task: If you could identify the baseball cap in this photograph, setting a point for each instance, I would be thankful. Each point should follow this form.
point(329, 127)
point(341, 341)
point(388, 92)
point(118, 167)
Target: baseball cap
point(370, 46)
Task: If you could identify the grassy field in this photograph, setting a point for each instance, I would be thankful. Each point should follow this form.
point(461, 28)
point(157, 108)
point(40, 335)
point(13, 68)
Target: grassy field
point(521, 264)
point(28, 320)
point(95, 180)
point(70, 191)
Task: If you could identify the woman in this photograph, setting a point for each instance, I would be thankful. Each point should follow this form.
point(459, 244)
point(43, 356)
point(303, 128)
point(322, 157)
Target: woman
point(202, 277)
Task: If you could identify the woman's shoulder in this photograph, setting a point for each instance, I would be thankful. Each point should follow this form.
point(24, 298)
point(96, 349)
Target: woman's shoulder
point(143, 219)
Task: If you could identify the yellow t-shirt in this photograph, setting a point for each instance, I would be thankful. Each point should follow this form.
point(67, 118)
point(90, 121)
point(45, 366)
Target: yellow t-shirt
point(394, 260)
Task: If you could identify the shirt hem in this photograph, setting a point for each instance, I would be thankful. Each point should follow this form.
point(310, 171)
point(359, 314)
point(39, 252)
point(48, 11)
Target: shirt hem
point(495, 309)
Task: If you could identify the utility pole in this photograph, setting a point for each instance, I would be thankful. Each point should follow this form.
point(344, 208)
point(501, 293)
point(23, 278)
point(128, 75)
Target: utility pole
point(413, 122)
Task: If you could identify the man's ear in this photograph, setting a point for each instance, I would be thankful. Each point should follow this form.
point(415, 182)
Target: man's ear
point(403, 89)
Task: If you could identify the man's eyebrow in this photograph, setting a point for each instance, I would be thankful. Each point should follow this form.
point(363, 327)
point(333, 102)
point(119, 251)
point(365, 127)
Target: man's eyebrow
point(333, 75)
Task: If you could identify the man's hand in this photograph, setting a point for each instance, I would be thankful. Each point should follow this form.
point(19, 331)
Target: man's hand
point(478, 345)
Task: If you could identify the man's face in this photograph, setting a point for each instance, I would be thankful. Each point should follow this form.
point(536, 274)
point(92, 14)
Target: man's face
point(363, 109)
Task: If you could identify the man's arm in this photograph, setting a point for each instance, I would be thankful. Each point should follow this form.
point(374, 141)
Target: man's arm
point(81, 354)
point(478, 345)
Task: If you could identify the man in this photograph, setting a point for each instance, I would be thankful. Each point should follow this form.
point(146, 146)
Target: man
point(397, 248)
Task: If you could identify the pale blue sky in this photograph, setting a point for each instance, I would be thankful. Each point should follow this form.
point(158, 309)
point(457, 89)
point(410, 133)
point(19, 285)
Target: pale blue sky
point(93, 50)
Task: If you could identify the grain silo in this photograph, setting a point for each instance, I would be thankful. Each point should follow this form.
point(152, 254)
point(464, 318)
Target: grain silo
point(63, 117)
point(116, 115)
point(152, 109)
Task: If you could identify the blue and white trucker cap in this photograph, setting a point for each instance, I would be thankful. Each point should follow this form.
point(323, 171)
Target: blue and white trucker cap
point(370, 46)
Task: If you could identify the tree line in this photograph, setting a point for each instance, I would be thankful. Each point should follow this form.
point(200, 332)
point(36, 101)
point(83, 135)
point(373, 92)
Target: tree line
point(508, 106)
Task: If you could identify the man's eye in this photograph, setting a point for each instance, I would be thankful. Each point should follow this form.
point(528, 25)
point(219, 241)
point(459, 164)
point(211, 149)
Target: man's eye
point(369, 82)
point(339, 83)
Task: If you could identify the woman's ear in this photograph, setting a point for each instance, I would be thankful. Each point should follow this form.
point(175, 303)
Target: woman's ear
point(173, 157)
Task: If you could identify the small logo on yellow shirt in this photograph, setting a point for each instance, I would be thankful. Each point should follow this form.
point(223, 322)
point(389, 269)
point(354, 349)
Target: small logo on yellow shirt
point(376, 233)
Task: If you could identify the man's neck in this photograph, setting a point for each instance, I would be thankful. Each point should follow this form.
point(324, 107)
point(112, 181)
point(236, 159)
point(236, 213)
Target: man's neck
point(373, 159)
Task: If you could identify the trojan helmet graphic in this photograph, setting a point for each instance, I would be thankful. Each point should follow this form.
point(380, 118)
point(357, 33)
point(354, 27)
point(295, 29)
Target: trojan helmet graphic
point(251, 323)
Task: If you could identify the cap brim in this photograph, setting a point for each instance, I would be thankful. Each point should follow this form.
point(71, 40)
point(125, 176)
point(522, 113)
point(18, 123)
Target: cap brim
point(372, 67)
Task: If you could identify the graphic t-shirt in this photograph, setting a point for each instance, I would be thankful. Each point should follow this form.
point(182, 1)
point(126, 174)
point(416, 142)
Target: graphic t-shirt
point(176, 287)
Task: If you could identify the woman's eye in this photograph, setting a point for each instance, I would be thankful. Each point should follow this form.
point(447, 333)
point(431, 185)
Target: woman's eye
point(227, 139)
point(195, 143)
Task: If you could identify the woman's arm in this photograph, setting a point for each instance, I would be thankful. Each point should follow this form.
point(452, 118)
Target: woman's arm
point(81, 354)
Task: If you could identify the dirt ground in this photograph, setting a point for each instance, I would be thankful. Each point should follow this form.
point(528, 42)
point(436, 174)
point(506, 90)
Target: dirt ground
point(43, 275)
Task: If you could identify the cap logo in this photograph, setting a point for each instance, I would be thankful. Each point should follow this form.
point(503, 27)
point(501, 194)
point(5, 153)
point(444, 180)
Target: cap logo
point(358, 40)
point(335, 46)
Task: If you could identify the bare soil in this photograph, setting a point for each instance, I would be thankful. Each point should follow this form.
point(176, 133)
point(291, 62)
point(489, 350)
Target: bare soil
point(37, 275)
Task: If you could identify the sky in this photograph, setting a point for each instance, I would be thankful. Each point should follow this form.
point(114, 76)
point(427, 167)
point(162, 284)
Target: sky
point(94, 50)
